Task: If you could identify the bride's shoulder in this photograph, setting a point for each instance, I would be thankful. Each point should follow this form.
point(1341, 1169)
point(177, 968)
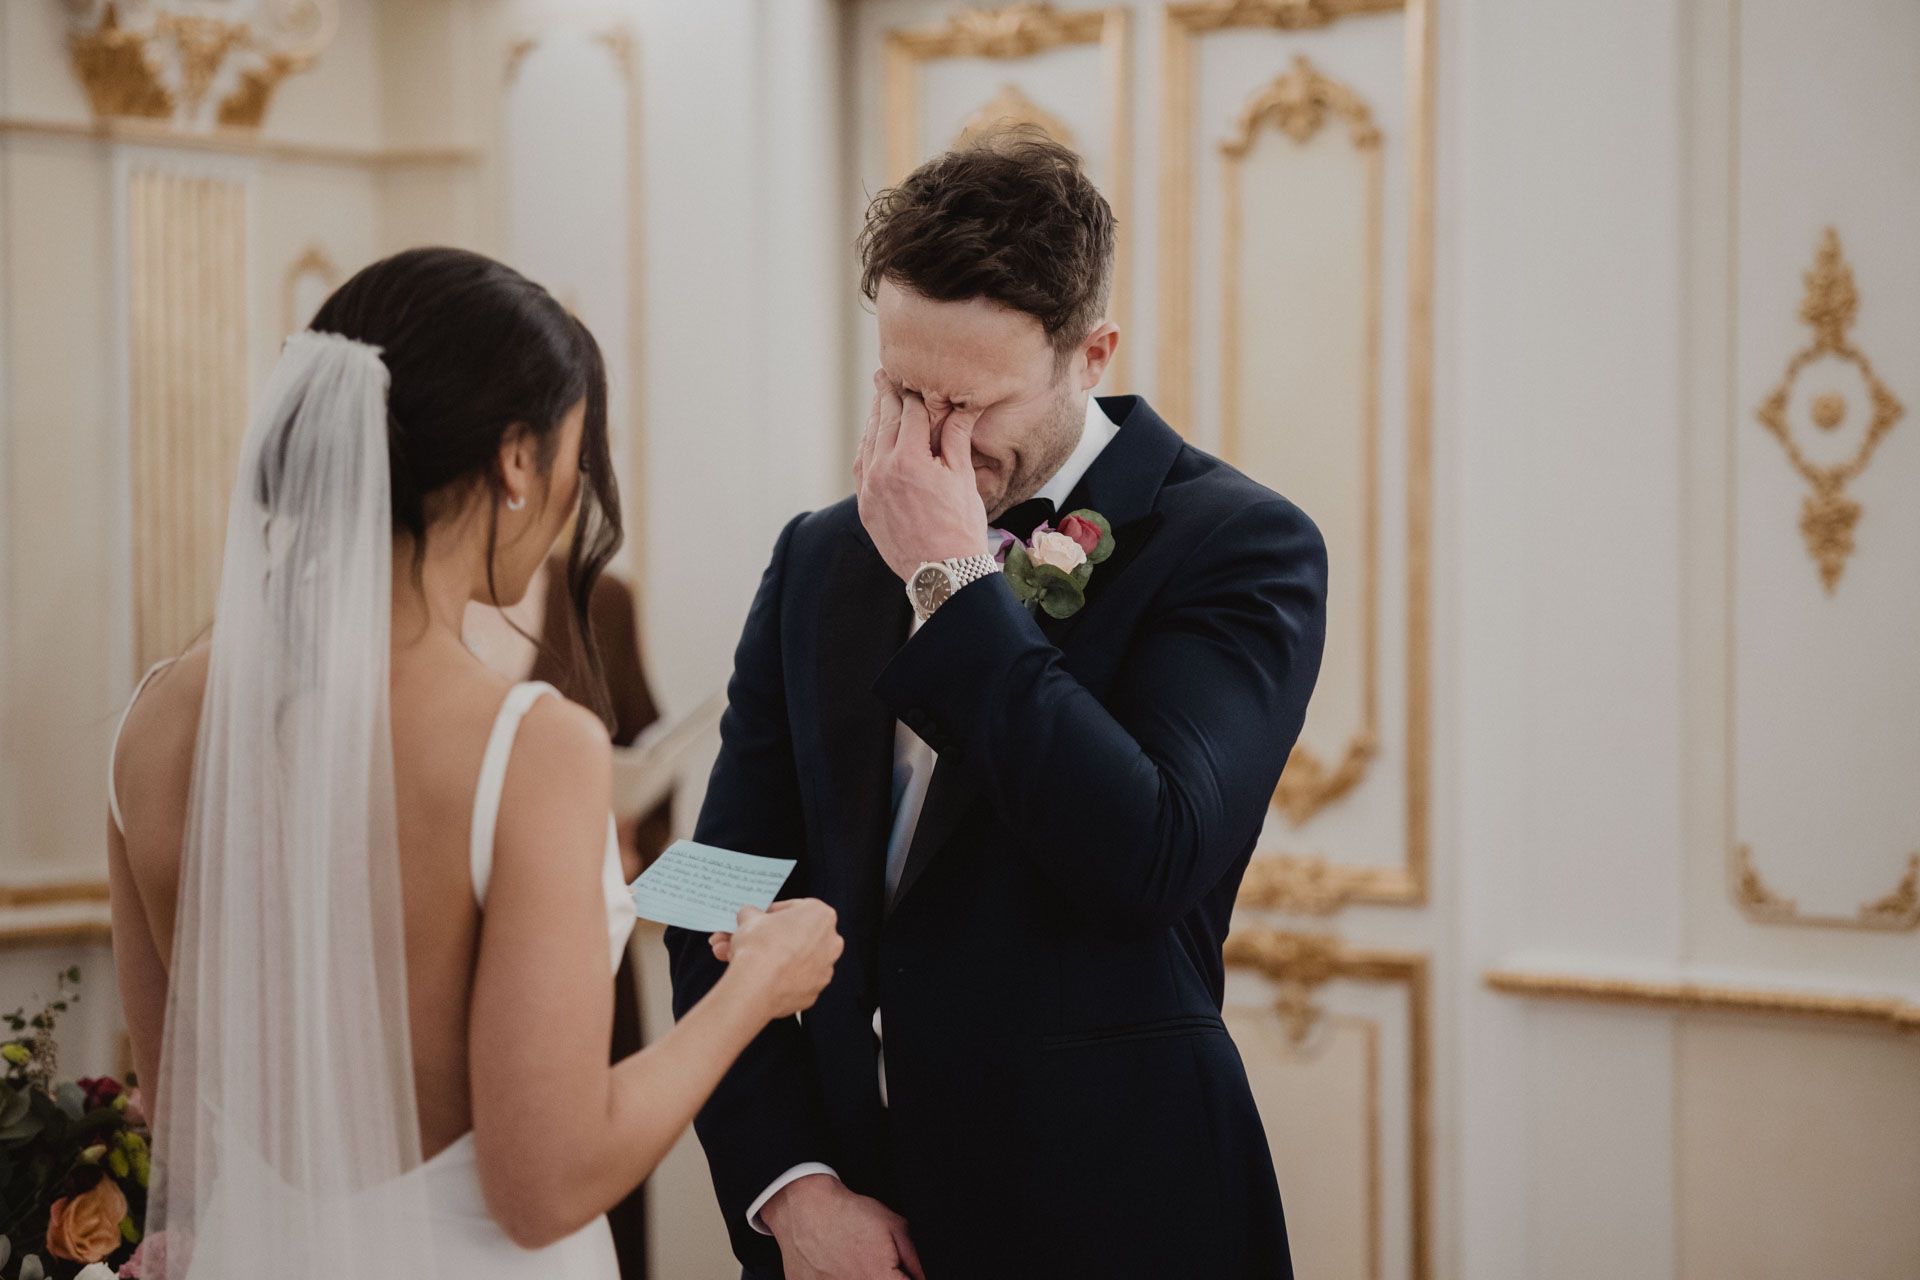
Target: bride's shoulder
point(152, 758)
point(165, 711)
point(561, 736)
point(560, 772)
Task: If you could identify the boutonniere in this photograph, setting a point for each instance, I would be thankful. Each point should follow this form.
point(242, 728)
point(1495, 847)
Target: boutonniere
point(1051, 570)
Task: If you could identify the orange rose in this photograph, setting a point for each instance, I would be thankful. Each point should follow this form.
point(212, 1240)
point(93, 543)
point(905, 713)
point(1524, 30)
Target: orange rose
point(86, 1227)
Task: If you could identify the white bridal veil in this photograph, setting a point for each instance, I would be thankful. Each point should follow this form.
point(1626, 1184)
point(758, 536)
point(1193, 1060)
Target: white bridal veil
point(288, 1116)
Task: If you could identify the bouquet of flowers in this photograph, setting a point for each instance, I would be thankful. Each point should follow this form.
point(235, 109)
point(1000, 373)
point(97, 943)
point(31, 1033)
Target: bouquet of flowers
point(74, 1160)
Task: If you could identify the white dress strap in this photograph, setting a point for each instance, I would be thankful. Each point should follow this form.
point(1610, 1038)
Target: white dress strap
point(493, 778)
point(113, 751)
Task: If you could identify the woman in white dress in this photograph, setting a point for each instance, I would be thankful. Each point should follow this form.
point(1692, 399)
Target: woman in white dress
point(366, 902)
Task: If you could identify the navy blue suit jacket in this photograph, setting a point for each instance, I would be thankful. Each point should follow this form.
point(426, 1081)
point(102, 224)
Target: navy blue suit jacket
point(1064, 1097)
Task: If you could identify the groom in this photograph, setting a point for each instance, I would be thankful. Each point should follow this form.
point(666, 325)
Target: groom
point(1032, 820)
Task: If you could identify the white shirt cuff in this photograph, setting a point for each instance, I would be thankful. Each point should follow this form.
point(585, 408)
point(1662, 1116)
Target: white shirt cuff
point(794, 1174)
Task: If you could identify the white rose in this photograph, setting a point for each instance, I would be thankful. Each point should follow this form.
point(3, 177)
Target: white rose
point(98, 1271)
point(1056, 549)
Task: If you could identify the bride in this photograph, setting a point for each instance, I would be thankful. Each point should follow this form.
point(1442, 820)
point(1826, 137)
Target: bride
point(367, 902)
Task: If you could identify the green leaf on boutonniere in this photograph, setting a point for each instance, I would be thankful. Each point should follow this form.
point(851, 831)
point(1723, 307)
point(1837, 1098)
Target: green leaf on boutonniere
point(1098, 521)
point(1059, 594)
point(1055, 591)
point(1019, 569)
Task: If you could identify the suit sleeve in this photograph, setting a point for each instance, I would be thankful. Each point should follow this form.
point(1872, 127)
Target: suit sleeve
point(766, 1116)
point(1140, 805)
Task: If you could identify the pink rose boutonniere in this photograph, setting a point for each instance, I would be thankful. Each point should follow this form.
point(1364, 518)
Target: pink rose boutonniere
point(1051, 571)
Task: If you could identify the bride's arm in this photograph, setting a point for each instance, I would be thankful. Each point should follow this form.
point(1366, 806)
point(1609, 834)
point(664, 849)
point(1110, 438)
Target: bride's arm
point(139, 967)
point(561, 1136)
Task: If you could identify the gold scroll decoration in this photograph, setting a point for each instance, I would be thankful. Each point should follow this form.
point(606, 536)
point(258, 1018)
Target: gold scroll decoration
point(1011, 34)
point(187, 394)
point(1895, 910)
point(1011, 108)
point(1298, 104)
point(161, 62)
point(1299, 965)
point(1828, 515)
point(1274, 15)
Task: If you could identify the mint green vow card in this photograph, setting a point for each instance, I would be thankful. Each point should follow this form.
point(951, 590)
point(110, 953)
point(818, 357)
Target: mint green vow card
point(698, 887)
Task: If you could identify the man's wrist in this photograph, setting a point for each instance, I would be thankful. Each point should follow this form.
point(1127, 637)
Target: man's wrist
point(810, 1188)
point(936, 581)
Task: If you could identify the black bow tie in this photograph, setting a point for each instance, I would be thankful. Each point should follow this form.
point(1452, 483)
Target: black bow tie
point(1022, 520)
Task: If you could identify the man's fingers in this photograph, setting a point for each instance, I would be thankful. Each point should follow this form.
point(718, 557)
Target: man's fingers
point(864, 454)
point(956, 439)
point(888, 430)
point(909, 1259)
point(916, 426)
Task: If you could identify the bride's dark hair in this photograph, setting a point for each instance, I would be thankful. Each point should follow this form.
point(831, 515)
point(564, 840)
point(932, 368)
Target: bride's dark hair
point(475, 350)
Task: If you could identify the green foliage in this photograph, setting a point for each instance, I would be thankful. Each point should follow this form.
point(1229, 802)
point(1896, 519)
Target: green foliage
point(59, 1140)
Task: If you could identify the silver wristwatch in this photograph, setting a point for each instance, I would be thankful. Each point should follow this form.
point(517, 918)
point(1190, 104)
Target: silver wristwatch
point(935, 582)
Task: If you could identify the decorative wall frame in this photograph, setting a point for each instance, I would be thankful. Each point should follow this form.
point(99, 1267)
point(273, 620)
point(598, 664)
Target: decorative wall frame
point(1302, 100)
point(1299, 964)
point(1829, 307)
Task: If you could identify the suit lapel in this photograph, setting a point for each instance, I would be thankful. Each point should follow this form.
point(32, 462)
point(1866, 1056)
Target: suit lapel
point(1122, 485)
point(865, 617)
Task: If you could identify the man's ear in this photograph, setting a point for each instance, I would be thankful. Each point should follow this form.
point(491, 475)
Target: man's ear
point(1098, 349)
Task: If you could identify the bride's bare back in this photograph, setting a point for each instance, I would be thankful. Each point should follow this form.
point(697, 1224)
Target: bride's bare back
point(443, 713)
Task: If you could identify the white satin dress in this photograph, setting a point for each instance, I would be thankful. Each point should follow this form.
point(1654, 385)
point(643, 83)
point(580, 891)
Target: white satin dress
point(468, 1244)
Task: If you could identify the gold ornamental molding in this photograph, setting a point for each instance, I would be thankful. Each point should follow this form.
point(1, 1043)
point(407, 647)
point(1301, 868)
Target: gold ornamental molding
point(1888, 1012)
point(1274, 15)
point(314, 262)
point(1894, 911)
point(163, 60)
point(1297, 103)
point(1012, 34)
point(77, 934)
point(54, 913)
point(1016, 31)
point(51, 893)
point(1008, 109)
point(1310, 884)
point(1299, 964)
point(243, 142)
point(1300, 102)
point(1828, 515)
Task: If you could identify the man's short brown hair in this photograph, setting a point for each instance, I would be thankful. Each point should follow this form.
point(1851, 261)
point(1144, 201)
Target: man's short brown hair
point(1013, 219)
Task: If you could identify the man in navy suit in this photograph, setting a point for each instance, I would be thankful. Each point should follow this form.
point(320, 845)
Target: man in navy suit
point(1030, 790)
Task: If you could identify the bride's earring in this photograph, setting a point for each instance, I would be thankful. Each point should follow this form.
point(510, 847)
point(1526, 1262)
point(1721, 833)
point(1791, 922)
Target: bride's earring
point(514, 504)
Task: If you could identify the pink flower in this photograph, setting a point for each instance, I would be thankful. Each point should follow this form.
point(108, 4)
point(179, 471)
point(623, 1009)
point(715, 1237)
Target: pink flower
point(150, 1259)
point(100, 1091)
point(1084, 532)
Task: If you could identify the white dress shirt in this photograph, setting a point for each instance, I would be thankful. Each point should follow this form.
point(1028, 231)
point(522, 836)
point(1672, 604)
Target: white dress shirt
point(913, 762)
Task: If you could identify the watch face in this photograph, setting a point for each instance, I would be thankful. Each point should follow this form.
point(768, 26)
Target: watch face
point(931, 587)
